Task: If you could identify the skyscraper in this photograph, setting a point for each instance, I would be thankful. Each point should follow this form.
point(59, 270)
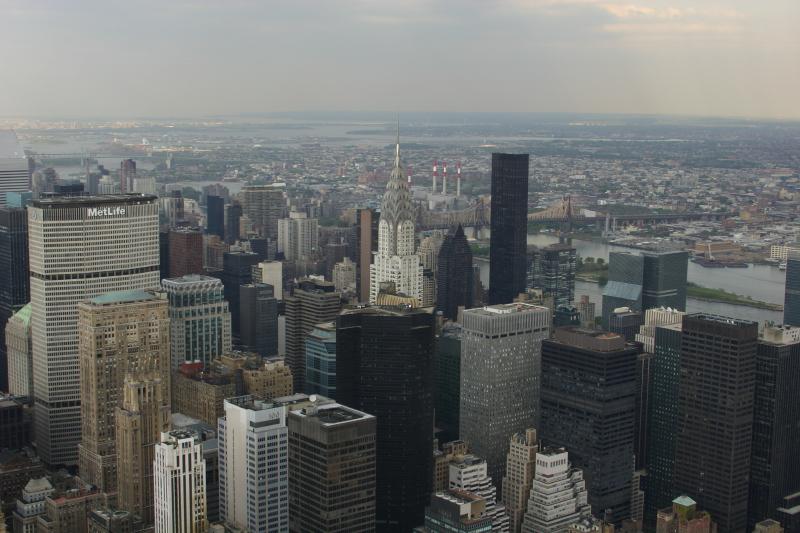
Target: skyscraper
point(366, 243)
point(500, 377)
point(588, 407)
point(258, 312)
point(237, 270)
point(447, 381)
point(715, 416)
point(554, 273)
point(200, 320)
point(144, 415)
point(185, 252)
point(19, 352)
point(331, 469)
point(15, 173)
point(80, 247)
point(312, 302)
point(14, 275)
point(509, 227)
point(383, 367)
point(264, 205)
point(298, 236)
point(120, 335)
point(395, 259)
point(456, 511)
point(454, 283)
point(321, 360)
point(253, 466)
point(469, 473)
point(215, 216)
point(791, 301)
point(179, 473)
point(774, 469)
point(127, 174)
point(520, 466)
point(558, 496)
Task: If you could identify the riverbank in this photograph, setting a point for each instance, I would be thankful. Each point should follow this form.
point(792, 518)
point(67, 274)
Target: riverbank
point(720, 295)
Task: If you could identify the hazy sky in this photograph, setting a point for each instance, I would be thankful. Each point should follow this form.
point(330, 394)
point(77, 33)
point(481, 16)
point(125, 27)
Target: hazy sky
point(109, 58)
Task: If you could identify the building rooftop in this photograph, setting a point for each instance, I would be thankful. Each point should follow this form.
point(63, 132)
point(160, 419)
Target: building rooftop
point(506, 309)
point(92, 200)
point(721, 319)
point(330, 414)
point(684, 501)
point(9, 145)
point(120, 297)
point(24, 314)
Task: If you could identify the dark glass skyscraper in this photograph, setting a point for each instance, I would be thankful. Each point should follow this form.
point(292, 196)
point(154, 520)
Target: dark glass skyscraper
point(774, 468)
point(791, 299)
point(507, 261)
point(588, 406)
point(237, 271)
point(447, 382)
point(14, 274)
point(552, 269)
point(258, 319)
point(384, 367)
point(715, 416)
point(215, 216)
point(454, 282)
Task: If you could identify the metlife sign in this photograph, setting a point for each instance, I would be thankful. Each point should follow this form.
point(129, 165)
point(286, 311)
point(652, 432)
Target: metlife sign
point(93, 212)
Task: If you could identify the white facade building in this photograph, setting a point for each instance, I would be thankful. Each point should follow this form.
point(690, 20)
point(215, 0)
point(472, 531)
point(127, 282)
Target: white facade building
point(179, 473)
point(19, 353)
point(501, 363)
point(344, 276)
point(558, 496)
point(468, 472)
point(80, 247)
point(254, 466)
point(654, 318)
point(271, 273)
point(298, 236)
point(395, 259)
point(31, 504)
point(14, 172)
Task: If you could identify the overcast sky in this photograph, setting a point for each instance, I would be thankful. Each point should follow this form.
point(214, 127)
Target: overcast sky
point(149, 58)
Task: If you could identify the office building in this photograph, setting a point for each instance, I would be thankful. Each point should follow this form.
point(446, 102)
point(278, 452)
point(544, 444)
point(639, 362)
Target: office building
point(261, 378)
point(642, 282)
point(127, 174)
point(253, 466)
point(384, 367)
point(312, 302)
point(30, 505)
point(626, 322)
point(469, 473)
point(14, 274)
point(558, 496)
point(366, 244)
point(264, 205)
point(789, 513)
point(185, 252)
point(215, 216)
point(395, 260)
point(19, 349)
point(428, 251)
point(200, 319)
point(298, 236)
point(271, 273)
point(237, 270)
point(202, 395)
point(441, 462)
point(67, 509)
point(321, 360)
point(456, 511)
point(586, 312)
point(554, 273)
point(774, 469)
point(80, 247)
point(791, 302)
point(109, 520)
point(500, 377)
point(15, 174)
point(233, 216)
point(179, 475)
point(683, 517)
point(331, 469)
point(589, 407)
point(447, 381)
point(768, 526)
point(715, 416)
point(344, 276)
point(655, 318)
point(509, 227)
point(258, 322)
point(454, 283)
point(520, 466)
point(145, 185)
point(15, 424)
point(144, 415)
point(120, 335)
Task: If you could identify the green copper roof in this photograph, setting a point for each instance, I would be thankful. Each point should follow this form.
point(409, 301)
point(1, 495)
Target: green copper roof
point(24, 314)
point(136, 295)
point(684, 501)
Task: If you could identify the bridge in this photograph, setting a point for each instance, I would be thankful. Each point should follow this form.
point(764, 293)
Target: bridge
point(476, 216)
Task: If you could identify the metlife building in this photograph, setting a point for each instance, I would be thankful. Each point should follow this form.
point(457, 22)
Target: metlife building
point(80, 247)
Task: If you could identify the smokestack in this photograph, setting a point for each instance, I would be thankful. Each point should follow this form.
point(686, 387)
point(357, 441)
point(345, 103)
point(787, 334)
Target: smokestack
point(444, 177)
point(435, 175)
point(458, 178)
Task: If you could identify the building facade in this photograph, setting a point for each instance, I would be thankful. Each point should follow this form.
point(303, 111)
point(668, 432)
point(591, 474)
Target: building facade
point(298, 237)
point(554, 273)
point(321, 360)
point(469, 473)
point(19, 350)
point(520, 466)
point(791, 302)
point(15, 174)
point(264, 205)
point(14, 274)
point(454, 283)
point(258, 322)
point(185, 252)
point(179, 474)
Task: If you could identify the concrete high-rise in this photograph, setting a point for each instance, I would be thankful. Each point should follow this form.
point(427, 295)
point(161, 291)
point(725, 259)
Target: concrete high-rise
point(80, 247)
point(15, 174)
point(258, 319)
point(185, 252)
point(264, 205)
point(312, 302)
point(520, 467)
point(127, 175)
point(120, 335)
point(19, 351)
point(469, 473)
point(298, 236)
point(144, 415)
point(383, 367)
point(509, 227)
point(253, 466)
point(14, 273)
point(456, 511)
point(331, 469)
point(558, 496)
point(396, 261)
point(589, 408)
point(179, 475)
point(366, 243)
point(500, 377)
point(454, 283)
point(200, 320)
point(774, 469)
point(791, 301)
point(715, 416)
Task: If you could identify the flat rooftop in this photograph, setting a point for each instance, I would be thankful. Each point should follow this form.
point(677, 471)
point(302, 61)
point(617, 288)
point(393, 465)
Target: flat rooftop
point(119, 297)
point(505, 309)
point(92, 200)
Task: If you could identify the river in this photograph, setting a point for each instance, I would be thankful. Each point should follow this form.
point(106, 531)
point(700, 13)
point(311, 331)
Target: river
point(760, 282)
